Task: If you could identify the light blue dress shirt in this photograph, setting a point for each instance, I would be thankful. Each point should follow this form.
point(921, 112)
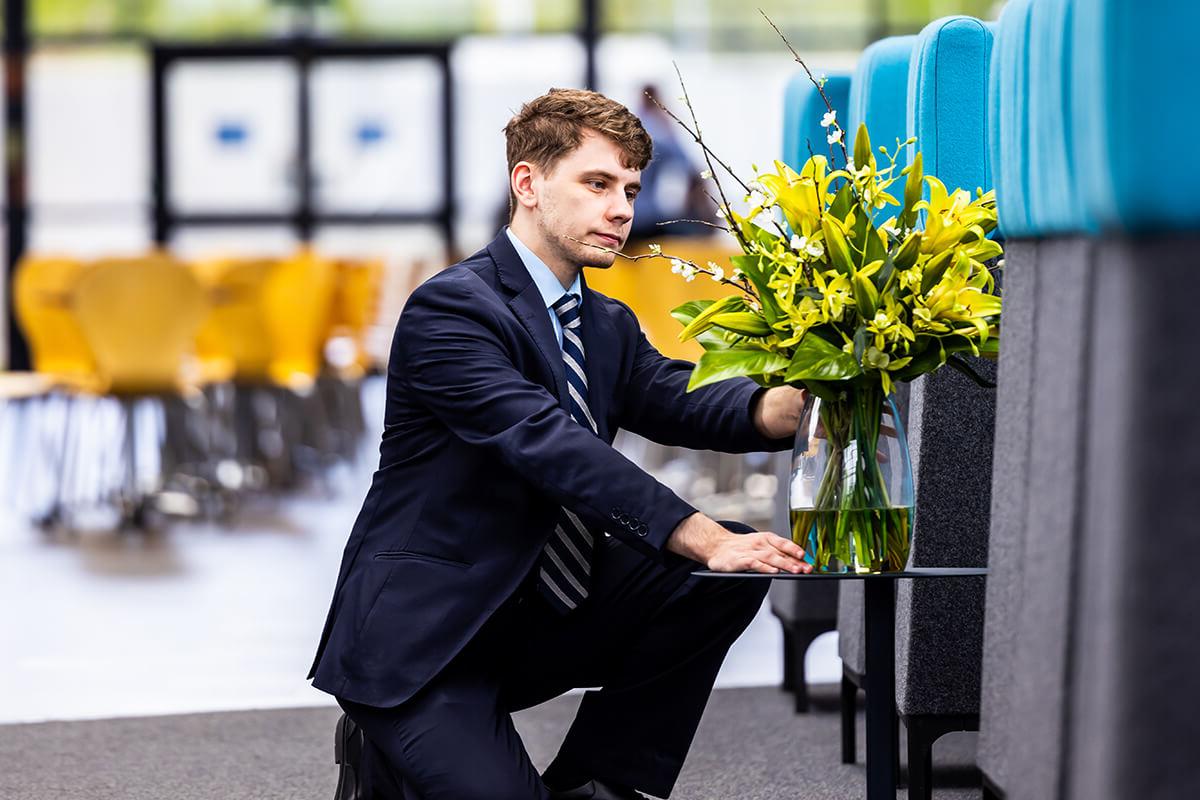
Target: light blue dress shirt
point(552, 291)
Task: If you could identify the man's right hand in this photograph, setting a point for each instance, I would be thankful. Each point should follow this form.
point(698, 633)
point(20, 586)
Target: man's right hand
point(702, 539)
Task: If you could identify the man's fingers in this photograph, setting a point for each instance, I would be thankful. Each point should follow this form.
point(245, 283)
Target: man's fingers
point(761, 566)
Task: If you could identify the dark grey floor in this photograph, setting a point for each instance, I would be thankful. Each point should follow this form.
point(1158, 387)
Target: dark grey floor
point(750, 746)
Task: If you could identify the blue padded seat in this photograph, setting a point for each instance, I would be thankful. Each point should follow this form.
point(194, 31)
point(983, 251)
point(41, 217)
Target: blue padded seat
point(1008, 119)
point(879, 97)
point(803, 109)
point(1134, 115)
point(948, 100)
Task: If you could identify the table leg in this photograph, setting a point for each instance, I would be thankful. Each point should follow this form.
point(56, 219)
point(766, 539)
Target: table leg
point(880, 613)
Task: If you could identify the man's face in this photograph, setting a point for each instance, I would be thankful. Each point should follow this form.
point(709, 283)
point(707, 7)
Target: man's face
point(587, 196)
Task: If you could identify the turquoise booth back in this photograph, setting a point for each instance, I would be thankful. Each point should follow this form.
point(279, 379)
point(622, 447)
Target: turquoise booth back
point(803, 109)
point(879, 97)
point(948, 101)
point(1008, 119)
point(1135, 115)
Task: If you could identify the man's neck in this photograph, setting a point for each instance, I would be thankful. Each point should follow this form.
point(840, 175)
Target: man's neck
point(524, 229)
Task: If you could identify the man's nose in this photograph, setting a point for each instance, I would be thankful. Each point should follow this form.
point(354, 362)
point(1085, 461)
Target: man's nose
point(621, 210)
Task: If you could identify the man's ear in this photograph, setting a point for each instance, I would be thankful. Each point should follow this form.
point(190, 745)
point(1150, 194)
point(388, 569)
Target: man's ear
point(522, 181)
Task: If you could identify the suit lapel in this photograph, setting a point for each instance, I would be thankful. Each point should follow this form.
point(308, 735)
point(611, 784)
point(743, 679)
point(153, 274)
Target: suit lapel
point(599, 338)
point(528, 307)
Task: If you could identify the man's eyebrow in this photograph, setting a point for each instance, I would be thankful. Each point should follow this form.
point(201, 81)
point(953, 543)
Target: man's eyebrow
point(635, 185)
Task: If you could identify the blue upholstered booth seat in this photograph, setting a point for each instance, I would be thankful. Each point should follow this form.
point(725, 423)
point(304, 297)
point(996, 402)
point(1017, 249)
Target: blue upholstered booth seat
point(1134, 112)
point(879, 97)
point(803, 109)
point(948, 98)
point(1008, 119)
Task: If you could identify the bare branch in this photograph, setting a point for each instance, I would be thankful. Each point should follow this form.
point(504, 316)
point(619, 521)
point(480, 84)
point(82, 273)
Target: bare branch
point(743, 286)
point(697, 221)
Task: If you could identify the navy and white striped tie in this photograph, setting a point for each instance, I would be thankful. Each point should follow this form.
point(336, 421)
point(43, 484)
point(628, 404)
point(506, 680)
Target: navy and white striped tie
point(566, 563)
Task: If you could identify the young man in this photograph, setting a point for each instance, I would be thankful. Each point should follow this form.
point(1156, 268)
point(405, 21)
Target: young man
point(505, 553)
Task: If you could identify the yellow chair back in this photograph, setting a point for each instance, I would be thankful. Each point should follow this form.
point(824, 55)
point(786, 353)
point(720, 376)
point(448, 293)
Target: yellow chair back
point(42, 290)
point(652, 290)
point(140, 316)
point(298, 297)
point(355, 306)
point(233, 340)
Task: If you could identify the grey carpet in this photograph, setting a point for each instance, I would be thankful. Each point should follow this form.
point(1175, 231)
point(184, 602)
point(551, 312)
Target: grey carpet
point(750, 746)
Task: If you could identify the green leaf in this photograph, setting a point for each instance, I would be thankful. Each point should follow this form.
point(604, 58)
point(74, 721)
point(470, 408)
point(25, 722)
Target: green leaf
point(757, 269)
point(866, 296)
point(836, 245)
point(861, 336)
point(746, 323)
point(703, 320)
point(720, 365)
point(935, 268)
point(842, 203)
point(817, 359)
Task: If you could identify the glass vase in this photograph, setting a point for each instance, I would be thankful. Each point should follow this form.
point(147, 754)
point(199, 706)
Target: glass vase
point(851, 489)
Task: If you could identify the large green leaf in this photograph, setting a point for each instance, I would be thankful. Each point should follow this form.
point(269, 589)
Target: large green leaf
point(843, 201)
point(934, 269)
point(757, 269)
point(688, 311)
point(720, 365)
point(817, 359)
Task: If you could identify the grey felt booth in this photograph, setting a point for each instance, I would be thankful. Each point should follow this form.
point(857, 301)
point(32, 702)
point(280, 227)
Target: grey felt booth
point(1133, 723)
point(1006, 544)
point(1027, 659)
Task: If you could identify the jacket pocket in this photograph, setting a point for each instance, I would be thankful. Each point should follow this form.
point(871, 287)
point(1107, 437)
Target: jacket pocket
point(408, 555)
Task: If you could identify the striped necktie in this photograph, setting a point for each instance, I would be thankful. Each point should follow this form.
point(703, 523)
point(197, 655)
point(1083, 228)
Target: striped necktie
point(566, 562)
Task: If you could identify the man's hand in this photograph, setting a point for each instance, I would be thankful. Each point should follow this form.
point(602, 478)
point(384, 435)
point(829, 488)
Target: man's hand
point(777, 413)
point(721, 550)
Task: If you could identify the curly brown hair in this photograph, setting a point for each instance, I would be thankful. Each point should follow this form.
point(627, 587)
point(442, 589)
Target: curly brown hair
point(553, 125)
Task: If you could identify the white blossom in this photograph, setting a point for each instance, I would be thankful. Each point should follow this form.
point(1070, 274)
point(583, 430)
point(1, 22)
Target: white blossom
point(797, 243)
point(706, 174)
point(677, 266)
point(737, 274)
point(815, 249)
point(718, 272)
point(834, 137)
point(688, 272)
point(656, 249)
point(829, 119)
point(756, 198)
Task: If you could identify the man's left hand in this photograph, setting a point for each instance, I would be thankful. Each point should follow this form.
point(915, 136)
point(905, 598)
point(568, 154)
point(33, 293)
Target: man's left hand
point(777, 414)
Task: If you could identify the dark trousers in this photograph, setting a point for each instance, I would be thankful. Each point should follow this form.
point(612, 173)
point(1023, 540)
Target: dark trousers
point(652, 637)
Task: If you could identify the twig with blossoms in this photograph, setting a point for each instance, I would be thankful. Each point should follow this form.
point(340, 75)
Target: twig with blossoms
point(687, 268)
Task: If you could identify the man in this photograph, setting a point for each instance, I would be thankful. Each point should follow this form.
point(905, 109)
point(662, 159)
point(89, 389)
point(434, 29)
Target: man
point(481, 577)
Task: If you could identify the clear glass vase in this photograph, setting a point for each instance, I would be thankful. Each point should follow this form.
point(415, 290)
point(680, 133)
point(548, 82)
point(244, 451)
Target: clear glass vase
point(851, 489)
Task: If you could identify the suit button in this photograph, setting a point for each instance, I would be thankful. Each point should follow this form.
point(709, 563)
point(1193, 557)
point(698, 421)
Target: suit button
point(616, 513)
point(643, 529)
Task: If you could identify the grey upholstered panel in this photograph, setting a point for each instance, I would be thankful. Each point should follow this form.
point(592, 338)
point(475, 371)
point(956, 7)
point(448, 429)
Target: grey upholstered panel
point(1134, 726)
point(939, 624)
point(851, 631)
point(794, 600)
point(1043, 622)
point(1010, 478)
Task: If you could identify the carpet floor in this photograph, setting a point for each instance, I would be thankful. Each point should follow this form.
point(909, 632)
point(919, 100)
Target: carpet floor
point(750, 746)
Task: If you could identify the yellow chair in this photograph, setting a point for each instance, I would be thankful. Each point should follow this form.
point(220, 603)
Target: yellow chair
point(355, 307)
point(650, 288)
point(140, 317)
point(42, 292)
point(298, 296)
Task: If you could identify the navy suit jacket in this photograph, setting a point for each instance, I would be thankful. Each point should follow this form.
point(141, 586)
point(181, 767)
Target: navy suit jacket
point(479, 451)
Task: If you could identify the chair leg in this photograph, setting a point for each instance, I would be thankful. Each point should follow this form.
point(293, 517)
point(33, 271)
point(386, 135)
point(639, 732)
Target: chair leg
point(920, 760)
point(789, 676)
point(849, 710)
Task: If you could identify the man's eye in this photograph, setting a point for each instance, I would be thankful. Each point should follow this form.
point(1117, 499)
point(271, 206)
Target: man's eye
point(597, 184)
point(631, 196)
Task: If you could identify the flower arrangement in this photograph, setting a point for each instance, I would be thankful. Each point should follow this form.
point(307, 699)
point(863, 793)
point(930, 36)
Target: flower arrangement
point(834, 297)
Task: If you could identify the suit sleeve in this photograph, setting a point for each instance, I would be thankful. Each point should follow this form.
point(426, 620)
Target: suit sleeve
point(453, 359)
point(719, 416)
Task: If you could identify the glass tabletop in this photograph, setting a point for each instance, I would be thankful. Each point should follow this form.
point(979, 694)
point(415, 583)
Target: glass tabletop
point(915, 572)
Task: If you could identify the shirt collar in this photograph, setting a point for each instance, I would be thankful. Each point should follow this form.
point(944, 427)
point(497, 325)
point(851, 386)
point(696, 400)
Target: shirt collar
point(551, 290)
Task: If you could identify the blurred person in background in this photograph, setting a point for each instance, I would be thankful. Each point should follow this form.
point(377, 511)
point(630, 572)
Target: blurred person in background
point(672, 189)
point(505, 552)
